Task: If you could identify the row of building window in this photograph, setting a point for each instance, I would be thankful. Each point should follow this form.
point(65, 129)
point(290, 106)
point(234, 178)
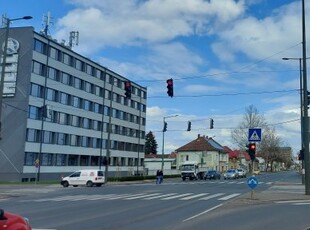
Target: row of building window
point(50, 159)
point(38, 68)
point(77, 102)
point(76, 63)
point(82, 122)
point(58, 138)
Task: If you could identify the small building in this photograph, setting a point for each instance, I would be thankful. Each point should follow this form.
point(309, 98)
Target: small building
point(154, 162)
point(204, 150)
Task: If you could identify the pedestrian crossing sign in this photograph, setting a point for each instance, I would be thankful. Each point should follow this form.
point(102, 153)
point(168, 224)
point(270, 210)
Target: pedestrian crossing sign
point(255, 134)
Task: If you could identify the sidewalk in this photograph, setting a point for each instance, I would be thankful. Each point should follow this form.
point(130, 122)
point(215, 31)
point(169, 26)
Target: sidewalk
point(280, 191)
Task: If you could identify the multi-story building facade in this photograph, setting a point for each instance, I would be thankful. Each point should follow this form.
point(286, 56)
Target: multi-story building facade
point(62, 112)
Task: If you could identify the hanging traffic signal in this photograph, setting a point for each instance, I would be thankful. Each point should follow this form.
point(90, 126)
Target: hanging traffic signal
point(189, 126)
point(165, 127)
point(252, 150)
point(128, 89)
point(301, 155)
point(211, 123)
point(170, 87)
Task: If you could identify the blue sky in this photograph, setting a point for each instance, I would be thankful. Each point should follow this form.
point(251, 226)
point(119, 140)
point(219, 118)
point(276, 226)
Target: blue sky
point(223, 55)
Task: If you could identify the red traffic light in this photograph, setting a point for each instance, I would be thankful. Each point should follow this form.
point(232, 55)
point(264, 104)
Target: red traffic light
point(128, 89)
point(170, 87)
point(252, 146)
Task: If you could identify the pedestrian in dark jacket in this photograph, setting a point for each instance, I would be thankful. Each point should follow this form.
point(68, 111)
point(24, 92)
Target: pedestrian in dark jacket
point(158, 177)
point(161, 176)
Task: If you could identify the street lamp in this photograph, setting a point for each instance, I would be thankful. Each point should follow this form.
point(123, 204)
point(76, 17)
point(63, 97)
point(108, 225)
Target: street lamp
point(163, 147)
point(6, 38)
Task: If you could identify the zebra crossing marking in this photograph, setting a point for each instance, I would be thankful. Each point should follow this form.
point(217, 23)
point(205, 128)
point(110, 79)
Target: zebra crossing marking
point(194, 196)
point(177, 196)
point(212, 196)
point(141, 196)
point(229, 196)
point(160, 196)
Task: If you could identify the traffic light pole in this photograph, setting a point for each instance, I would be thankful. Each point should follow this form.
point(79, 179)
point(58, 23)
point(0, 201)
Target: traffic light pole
point(305, 105)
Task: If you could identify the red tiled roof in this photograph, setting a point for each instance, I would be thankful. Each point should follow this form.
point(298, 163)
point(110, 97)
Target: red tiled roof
point(200, 144)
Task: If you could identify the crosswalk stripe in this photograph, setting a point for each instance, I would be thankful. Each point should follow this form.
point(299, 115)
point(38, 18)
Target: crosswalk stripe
point(229, 196)
point(160, 196)
point(212, 196)
point(142, 196)
point(194, 196)
point(125, 196)
point(177, 196)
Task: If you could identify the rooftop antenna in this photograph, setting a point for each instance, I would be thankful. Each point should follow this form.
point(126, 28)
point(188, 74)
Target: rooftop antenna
point(46, 21)
point(4, 21)
point(74, 36)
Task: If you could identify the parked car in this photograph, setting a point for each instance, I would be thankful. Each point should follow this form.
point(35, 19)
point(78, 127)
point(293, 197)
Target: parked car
point(88, 177)
point(231, 174)
point(212, 174)
point(242, 173)
point(12, 221)
point(201, 175)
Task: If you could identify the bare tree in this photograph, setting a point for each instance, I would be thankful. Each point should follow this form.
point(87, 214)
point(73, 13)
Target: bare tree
point(251, 119)
point(269, 148)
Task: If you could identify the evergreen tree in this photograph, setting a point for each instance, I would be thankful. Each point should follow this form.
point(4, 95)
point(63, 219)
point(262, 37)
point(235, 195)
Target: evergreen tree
point(150, 144)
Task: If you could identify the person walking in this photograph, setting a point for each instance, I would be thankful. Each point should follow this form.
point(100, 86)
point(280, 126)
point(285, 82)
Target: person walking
point(161, 176)
point(158, 177)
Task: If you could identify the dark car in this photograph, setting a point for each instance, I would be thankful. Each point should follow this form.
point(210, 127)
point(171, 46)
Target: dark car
point(201, 175)
point(212, 174)
point(13, 221)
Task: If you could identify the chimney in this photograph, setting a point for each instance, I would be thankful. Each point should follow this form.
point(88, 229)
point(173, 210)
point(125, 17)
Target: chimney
point(198, 136)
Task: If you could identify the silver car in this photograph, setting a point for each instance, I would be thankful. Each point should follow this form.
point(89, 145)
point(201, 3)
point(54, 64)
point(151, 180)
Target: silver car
point(242, 173)
point(231, 174)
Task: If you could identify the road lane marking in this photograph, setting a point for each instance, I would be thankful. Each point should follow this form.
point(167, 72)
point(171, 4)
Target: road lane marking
point(177, 196)
point(212, 196)
point(199, 214)
point(194, 196)
point(229, 196)
point(142, 196)
point(160, 196)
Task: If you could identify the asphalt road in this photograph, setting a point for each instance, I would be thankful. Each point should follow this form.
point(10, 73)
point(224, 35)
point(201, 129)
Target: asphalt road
point(172, 205)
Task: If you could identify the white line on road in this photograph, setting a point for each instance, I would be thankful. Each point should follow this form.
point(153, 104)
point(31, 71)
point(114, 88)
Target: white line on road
point(212, 196)
point(177, 196)
point(229, 196)
point(291, 201)
point(194, 196)
point(160, 196)
point(305, 203)
point(199, 214)
point(142, 196)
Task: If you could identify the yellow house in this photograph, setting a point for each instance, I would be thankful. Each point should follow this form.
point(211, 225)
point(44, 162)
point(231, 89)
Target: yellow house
point(206, 152)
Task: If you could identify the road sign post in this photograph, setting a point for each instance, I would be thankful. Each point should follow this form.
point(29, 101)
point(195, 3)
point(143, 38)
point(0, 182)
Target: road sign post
point(252, 183)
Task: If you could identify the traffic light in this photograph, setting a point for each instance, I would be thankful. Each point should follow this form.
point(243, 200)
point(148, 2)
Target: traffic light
point(252, 150)
point(170, 87)
point(165, 127)
point(301, 155)
point(128, 89)
point(211, 123)
point(189, 126)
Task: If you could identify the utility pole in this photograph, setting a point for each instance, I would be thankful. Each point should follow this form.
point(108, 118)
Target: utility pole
point(305, 105)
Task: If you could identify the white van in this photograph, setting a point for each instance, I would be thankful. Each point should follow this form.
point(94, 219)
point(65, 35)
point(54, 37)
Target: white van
point(88, 177)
